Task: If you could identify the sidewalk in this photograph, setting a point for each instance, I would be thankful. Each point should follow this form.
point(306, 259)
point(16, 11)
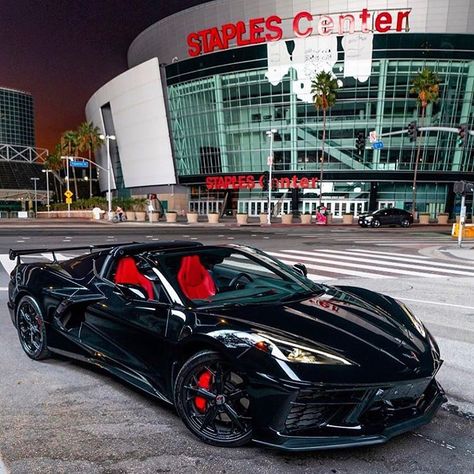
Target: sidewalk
point(228, 222)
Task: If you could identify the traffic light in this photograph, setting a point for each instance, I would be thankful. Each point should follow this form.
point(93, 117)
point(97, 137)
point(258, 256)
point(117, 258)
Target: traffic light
point(360, 142)
point(412, 131)
point(463, 187)
point(462, 134)
point(265, 176)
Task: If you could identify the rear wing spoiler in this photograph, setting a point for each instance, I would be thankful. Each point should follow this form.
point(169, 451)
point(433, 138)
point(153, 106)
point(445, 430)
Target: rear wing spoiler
point(17, 254)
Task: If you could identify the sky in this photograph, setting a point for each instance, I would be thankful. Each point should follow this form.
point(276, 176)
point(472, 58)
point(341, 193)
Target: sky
point(62, 51)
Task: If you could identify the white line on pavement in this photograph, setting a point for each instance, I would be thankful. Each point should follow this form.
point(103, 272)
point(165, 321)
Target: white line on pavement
point(335, 268)
point(3, 288)
point(3, 468)
point(389, 253)
point(434, 302)
point(8, 264)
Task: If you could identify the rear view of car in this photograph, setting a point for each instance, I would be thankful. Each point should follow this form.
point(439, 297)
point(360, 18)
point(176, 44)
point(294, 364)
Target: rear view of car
point(391, 216)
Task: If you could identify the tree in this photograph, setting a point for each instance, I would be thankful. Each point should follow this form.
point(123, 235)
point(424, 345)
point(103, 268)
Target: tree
point(426, 86)
point(88, 141)
point(54, 163)
point(69, 141)
point(323, 89)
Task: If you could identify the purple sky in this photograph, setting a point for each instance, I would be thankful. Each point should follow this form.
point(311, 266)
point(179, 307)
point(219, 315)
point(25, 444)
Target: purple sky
point(62, 51)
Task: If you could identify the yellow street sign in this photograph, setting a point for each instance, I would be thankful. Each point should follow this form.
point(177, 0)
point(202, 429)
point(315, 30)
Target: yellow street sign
point(68, 201)
point(68, 194)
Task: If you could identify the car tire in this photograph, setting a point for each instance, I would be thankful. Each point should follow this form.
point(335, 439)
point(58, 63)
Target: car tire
point(222, 416)
point(376, 224)
point(31, 328)
point(405, 223)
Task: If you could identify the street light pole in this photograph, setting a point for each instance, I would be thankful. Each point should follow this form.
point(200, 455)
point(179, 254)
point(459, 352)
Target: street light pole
point(107, 139)
point(36, 201)
point(270, 134)
point(47, 190)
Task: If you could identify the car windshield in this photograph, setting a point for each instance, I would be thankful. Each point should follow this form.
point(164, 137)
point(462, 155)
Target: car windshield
point(226, 276)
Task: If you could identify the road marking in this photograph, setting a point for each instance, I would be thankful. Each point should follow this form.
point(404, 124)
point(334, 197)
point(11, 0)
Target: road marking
point(3, 468)
point(20, 241)
point(400, 262)
point(8, 264)
point(3, 288)
point(437, 303)
point(313, 258)
point(283, 257)
point(388, 253)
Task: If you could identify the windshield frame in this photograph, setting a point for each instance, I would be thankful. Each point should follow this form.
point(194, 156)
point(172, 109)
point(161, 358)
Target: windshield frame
point(280, 269)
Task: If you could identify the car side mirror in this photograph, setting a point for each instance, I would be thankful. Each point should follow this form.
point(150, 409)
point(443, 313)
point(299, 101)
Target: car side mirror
point(133, 292)
point(301, 267)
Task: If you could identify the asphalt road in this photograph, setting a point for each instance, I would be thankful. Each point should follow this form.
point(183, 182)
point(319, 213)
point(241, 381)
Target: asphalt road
point(62, 417)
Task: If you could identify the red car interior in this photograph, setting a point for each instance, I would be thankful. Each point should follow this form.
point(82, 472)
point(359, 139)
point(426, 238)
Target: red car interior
point(194, 280)
point(128, 273)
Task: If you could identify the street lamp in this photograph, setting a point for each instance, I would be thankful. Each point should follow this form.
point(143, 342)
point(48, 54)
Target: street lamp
point(47, 189)
point(36, 202)
point(271, 135)
point(68, 191)
point(107, 139)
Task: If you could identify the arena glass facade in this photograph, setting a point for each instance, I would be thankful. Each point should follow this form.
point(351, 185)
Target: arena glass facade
point(16, 118)
point(230, 71)
point(221, 105)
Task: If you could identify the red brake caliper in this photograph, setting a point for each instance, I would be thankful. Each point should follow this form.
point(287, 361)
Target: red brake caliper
point(204, 381)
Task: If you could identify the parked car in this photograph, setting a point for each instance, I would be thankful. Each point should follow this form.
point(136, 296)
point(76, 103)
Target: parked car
point(389, 216)
point(244, 346)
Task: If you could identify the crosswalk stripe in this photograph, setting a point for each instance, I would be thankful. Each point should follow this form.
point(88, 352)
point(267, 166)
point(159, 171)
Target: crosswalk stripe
point(399, 271)
point(420, 265)
point(420, 257)
point(8, 264)
point(283, 257)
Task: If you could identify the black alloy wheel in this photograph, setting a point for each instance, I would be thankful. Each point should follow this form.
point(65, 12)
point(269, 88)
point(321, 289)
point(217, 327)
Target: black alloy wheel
point(211, 399)
point(376, 223)
point(31, 329)
point(405, 222)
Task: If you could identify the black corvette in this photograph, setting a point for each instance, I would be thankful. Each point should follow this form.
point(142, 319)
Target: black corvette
point(244, 346)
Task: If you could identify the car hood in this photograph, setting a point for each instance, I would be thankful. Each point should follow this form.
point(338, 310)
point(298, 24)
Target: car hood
point(376, 334)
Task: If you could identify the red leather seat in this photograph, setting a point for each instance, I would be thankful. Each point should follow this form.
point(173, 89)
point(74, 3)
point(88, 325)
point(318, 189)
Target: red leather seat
point(194, 280)
point(127, 273)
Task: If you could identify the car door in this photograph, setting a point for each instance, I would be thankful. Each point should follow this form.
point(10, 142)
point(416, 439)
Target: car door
point(129, 332)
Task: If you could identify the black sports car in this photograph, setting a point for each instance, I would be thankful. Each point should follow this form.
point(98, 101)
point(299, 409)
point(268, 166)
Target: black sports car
point(244, 346)
point(389, 216)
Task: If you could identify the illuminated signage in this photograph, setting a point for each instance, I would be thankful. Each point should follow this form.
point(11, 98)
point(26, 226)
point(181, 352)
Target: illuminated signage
point(304, 24)
point(249, 182)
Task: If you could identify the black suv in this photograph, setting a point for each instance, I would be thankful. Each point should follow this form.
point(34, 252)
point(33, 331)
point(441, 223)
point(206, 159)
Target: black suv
point(390, 216)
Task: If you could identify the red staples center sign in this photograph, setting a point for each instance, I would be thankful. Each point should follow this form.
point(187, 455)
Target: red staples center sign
point(262, 30)
point(249, 182)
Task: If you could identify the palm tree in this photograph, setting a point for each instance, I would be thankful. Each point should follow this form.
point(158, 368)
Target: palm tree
point(89, 140)
point(323, 89)
point(53, 163)
point(426, 87)
point(69, 142)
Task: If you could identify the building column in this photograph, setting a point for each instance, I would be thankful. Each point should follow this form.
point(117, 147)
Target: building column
point(383, 66)
point(293, 129)
point(465, 114)
point(221, 124)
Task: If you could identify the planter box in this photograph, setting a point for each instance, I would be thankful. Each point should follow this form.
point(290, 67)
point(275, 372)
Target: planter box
point(140, 216)
point(305, 218)
point(443, 219)
point(347, 218)
point(424, 219)
point(263, 218)
point(213, 218)
point(242, 219)
point(171, 216)
point(130, 215)
point(192, 217)
point(286, 219)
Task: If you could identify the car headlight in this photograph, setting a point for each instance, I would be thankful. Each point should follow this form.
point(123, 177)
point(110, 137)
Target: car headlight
point(293, 352)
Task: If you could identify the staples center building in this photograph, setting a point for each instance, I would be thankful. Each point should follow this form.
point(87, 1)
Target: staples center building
point(204, 87)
